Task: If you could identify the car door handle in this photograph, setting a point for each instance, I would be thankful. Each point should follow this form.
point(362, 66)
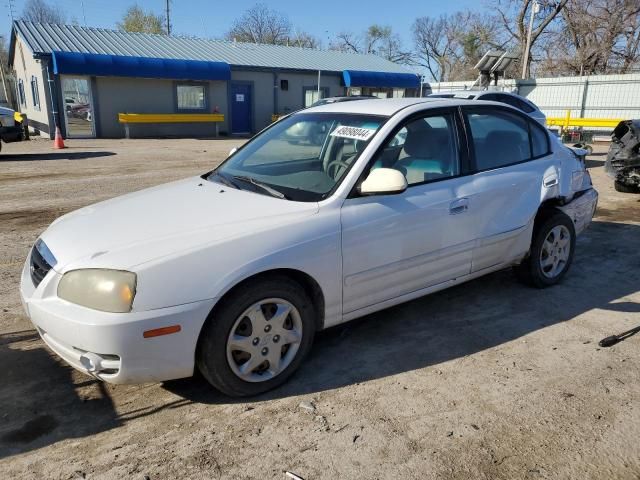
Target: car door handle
point(460, 205)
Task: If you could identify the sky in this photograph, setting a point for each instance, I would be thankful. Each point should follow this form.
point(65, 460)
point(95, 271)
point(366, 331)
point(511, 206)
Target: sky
point(210, 18)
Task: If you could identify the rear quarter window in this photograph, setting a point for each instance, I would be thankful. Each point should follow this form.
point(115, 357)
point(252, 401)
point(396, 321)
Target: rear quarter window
point(539, 140)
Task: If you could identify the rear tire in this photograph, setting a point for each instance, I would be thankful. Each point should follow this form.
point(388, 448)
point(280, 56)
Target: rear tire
point(551, 254)
point(271, 320)
point(624, 188)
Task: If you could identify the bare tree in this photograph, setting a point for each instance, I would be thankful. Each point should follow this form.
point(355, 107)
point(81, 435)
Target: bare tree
point(376, 40)
point(3, 51)
point(514, 16)
point(346, 42)
point(450, 45)
point(40, 11)
point(597, 36)
point(261, 24)
point(137, 20)
point(305, 40)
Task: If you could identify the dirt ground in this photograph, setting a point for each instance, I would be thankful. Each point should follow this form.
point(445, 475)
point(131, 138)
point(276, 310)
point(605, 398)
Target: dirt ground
point(489, 379)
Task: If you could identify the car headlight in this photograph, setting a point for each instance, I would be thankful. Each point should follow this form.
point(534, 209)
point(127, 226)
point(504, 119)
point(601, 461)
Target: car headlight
point(106, 290)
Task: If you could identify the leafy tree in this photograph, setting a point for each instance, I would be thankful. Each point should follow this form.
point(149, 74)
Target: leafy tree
point(138, 21)
point(40, 11)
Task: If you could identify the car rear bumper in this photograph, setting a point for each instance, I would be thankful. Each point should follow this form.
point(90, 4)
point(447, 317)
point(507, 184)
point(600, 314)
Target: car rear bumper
point(581, 209)
point(111, 346)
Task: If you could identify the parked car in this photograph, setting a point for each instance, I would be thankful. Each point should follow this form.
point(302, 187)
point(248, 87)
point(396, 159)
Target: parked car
point(11, 126)
point(315, 133)
point(233, 272)
point(623, 158)
point(516, 101)
point(348, 98)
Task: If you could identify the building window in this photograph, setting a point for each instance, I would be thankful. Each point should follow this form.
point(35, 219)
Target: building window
point(311, 95)
point(35, 94)
point(191, 97)
point(21, 95)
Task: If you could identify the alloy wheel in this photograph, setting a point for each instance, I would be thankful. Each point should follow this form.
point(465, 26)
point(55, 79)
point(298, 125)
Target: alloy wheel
point(555, 251)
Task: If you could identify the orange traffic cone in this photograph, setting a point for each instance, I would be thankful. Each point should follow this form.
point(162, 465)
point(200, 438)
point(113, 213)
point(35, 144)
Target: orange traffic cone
point(58, 142)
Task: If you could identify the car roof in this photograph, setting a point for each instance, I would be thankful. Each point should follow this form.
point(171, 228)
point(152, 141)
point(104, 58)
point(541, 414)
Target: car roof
point(476, 93)
point(382, 106)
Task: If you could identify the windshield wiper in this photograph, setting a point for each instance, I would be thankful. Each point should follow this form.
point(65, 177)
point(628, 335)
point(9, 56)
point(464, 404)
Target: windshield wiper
point(271, 191)
point(224, 180)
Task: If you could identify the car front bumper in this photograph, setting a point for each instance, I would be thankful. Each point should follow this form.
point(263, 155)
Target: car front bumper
point(581, 209)
point(111, 346)
point(12, 134)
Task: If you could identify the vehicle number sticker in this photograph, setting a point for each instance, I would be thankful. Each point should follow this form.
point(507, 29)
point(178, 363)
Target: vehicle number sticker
point(357, 133)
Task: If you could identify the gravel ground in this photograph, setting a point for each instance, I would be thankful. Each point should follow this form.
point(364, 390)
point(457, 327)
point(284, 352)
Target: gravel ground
point(489, 379)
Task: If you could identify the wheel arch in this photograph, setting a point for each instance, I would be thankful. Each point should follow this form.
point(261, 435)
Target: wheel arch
point(547, 208)
point(307, 282)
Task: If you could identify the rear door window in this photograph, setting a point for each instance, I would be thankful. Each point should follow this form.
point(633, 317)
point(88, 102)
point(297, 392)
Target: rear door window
point(499, 138)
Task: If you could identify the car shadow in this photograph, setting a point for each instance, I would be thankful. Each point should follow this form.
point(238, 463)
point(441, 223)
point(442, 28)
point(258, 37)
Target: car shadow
point(460, 321)
point(62, 155)
point(42, 401)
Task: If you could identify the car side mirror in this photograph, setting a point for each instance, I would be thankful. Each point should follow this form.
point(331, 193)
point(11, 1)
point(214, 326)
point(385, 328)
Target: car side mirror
point(232, 151)
point(384, 181)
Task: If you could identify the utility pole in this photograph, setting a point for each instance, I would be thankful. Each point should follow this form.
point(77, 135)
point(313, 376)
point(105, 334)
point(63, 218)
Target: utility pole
point(525, 61)
point(168, 18)
point(84, 16)
point(11, 7)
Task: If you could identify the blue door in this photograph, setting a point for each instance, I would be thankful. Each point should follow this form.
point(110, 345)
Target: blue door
point(240, 108)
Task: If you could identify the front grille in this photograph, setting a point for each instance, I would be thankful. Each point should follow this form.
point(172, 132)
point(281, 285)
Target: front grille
point(39, 266)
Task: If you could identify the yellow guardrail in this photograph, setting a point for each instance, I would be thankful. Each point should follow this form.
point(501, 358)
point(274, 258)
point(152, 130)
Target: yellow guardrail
point(569, 121)
point(170, 117)
point(146, 118)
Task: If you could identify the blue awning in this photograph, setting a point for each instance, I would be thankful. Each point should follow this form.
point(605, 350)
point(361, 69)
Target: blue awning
point(356, 78)
point(73, 63)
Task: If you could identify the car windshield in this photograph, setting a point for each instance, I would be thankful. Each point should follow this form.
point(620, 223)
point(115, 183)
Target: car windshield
point(302, 157)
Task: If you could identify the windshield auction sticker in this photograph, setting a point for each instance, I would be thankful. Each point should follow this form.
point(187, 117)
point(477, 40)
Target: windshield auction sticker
point(357, 133)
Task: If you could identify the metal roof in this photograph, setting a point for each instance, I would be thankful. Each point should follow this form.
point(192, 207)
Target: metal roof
point(44, 38)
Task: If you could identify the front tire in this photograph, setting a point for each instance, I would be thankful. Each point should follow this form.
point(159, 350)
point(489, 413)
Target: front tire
point(551, 254)
point(256, 339)
point(624, 188)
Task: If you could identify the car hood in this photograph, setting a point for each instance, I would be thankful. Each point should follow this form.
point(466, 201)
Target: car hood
point(167, 220)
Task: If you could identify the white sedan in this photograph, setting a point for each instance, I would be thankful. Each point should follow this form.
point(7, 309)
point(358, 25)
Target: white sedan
point(234, 271)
